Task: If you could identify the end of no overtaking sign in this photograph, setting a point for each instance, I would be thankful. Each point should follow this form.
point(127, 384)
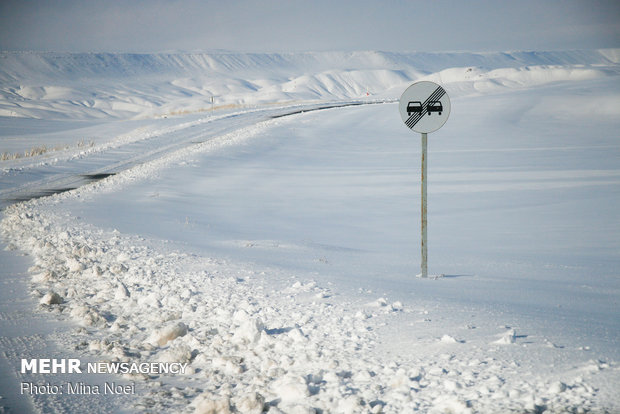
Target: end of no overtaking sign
point(424, 107)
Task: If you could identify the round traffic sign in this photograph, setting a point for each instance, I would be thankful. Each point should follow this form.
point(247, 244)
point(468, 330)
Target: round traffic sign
point(424, 107)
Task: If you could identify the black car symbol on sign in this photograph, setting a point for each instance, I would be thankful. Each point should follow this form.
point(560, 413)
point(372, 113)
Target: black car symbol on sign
point(434, 106)
point(415, 106)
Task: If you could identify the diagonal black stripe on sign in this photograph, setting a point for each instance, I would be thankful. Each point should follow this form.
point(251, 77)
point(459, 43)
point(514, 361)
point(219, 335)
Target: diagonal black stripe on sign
point(435, 96)
point(415, 118)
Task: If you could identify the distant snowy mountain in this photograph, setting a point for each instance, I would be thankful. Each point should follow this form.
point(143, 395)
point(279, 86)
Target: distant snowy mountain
point(101, 85)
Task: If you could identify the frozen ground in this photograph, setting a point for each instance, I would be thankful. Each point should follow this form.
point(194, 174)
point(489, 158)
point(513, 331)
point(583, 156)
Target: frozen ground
point(278, 256)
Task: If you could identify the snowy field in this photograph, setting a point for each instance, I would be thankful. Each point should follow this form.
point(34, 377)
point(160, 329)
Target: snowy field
point(277, 255)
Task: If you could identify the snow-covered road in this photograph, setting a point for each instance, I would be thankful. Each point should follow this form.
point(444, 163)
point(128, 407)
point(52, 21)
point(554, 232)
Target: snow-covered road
point(66, 169)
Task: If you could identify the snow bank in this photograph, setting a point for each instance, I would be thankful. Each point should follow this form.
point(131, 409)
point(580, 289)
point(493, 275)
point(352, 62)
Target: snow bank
point(250, 349)
point(87, 86)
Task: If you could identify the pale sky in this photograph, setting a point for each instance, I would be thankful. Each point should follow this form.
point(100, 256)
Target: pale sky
point(321, 25)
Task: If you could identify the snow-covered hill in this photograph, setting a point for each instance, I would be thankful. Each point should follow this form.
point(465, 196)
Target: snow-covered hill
point(102, 85)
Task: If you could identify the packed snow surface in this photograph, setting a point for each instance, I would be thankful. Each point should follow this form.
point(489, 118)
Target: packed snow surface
point(276, 256)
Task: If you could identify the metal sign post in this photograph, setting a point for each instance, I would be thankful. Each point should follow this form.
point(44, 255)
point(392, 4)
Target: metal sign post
point(424, 107)
point(424, 244)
